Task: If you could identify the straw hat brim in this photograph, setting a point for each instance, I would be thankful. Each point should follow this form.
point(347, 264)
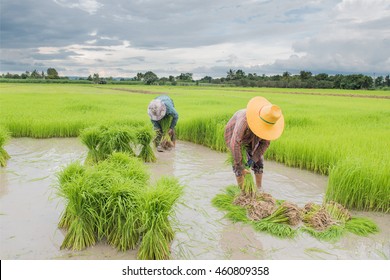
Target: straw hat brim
point(257, 126)
point(159, 112)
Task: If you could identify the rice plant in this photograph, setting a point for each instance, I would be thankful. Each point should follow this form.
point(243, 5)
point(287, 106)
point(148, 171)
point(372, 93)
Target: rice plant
point(224, 201)
point(80, 217)
point(357, 168)
point(113, 200)
point(166, 142)
point(361, 226)
point(249, 187)
point(331, 221)
point(145, 136)
point(276, 223)
point(122, 215)
point(99, 200)
point(157, 210)
point(102, 141)
point(4, 137)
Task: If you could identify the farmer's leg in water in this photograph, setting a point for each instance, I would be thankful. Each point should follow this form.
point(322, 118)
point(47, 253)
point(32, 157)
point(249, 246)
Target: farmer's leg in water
point(257, 167)
point(240, 178)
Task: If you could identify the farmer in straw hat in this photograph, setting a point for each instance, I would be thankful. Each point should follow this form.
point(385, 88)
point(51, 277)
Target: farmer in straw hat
point(253, 128)
point(160, 108)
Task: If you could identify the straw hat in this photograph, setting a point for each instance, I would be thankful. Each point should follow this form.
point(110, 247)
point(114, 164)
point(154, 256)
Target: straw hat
point(157, 109)
point(264, 119)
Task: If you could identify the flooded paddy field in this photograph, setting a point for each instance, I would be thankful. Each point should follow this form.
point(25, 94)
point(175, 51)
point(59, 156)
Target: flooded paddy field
point(30, 208)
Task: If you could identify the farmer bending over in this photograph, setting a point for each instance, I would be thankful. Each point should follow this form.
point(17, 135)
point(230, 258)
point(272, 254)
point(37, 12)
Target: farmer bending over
point(253, 128)
point(159, 110)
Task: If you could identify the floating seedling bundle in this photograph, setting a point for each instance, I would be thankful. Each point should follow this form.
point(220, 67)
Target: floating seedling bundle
point(4, 156)
point(331, 220)
point(112, 201)
point(102, 141)
point(262, 211)
point(285, 219)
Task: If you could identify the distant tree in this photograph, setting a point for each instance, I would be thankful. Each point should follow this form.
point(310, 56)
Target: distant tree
point(252, 76)
point(206, 79)
point(35, 75)
point(171, 78)
point(52, 73)
point(139, 77)
point(286, 75)
point(96, 78)
point(150, 78)
point(90, 78)
point(240, 74)
point(304, 75)
point(387, 81)
point(231, 74)
point(379, 81)
point(321, 77)
point(186, 77)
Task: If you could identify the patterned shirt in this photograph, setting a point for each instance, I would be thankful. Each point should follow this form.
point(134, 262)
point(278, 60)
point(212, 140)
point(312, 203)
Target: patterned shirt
point(237, 134)
point(171, 111)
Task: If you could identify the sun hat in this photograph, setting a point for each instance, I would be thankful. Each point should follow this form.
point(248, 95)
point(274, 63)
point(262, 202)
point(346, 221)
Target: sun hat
point(264, 119)
point(156, 109)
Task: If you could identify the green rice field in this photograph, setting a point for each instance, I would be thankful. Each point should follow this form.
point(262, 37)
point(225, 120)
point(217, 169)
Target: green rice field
point(342, 134)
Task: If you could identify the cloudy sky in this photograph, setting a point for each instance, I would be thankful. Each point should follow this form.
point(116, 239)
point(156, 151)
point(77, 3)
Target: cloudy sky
point(119, 38)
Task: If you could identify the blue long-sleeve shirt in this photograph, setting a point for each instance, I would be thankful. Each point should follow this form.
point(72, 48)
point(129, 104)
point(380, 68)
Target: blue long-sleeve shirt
point(171, 111)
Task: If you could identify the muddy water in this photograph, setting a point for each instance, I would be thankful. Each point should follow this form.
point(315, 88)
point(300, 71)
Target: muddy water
point(30, 209)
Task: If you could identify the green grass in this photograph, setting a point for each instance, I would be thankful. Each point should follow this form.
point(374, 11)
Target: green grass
point(339, 136)
point(4, 137)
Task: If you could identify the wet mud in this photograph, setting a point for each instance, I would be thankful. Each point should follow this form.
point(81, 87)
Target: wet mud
point(30, 208)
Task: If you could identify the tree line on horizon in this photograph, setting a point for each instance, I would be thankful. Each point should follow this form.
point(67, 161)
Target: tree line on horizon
point(305, 79)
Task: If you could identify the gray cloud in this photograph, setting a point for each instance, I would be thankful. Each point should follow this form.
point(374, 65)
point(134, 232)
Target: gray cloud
point(203, 37)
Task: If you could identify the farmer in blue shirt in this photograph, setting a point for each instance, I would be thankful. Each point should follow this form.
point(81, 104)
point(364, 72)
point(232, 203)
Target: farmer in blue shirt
point(160, 108)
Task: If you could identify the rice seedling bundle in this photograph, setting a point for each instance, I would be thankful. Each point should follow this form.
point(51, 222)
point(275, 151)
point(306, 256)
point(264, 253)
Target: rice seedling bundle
point(166, 142)
point(145, 136)
point(331, 221)
point(269, 215)
point(122, 215)
point(157, 208)
point(249, 187)
point(284, 219)
point(113, 200)
point(4, 137)
point(98, 201)
point(102, 141)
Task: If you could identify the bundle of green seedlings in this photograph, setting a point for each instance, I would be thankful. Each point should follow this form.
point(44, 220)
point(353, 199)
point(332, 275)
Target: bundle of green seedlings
point(4, 137)
point(249, 187)
point(112, 200)
point(264, 213)
point(145, 135)
point(157, 210)
point(282, 222)
point(331, 220)
point(166, 141)
point(102, 141)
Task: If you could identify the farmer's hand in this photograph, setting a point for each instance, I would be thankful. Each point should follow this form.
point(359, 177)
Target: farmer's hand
point(245, 171)
point(170, 131)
